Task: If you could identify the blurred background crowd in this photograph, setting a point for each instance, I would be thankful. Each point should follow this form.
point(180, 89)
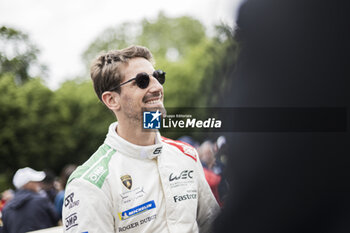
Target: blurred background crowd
point(36, 201)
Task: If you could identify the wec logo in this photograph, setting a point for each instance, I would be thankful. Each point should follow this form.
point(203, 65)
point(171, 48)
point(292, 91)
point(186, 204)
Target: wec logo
point(183, 175)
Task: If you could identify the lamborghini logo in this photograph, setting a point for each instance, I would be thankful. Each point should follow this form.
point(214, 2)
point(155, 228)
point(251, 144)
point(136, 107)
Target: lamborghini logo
point(127, 181)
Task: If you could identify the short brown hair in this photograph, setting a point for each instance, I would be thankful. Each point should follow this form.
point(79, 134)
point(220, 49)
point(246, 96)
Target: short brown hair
point(105, 70)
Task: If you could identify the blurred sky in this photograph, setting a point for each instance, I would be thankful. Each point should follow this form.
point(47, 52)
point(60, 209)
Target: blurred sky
point(63, 29)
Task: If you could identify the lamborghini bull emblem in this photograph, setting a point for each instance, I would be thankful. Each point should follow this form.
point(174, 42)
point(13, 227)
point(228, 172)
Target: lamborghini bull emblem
point(127, 181)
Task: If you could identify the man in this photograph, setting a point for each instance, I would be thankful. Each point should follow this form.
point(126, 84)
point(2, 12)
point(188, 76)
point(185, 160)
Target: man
point(28, 210)
point(137, 181)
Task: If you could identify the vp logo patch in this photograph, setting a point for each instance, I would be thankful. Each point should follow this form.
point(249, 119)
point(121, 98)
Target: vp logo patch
point(151, 120)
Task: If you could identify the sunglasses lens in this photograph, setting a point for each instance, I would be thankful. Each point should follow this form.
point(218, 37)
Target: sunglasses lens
point(142, 80)
point(159, 75)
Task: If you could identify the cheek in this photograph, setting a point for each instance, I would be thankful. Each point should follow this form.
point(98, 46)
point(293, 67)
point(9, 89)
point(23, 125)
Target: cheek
point(132, 99)
point(125, 98)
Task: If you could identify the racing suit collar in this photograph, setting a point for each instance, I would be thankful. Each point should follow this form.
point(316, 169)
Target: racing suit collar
point(132, 150)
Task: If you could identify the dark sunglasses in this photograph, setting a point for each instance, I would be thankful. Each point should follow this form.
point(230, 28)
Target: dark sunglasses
point(142, 79)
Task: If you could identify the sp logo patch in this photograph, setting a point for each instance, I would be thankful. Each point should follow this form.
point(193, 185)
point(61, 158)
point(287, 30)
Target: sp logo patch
point(127, 181)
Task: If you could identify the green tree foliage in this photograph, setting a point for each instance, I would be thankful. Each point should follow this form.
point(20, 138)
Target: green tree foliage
point(83, 121)
point(18, 55)
point(25, 124)
point(48, 129)
point(218, 70)
point(166, 37)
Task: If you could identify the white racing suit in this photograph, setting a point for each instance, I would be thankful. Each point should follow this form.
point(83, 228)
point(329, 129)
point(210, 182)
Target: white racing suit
point(128, 188)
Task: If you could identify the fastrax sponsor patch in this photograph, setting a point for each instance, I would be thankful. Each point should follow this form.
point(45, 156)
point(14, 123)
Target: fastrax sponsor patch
point(185, 197)
point(137, 210)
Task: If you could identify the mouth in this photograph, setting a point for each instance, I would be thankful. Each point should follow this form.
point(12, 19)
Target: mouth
point(154, 100)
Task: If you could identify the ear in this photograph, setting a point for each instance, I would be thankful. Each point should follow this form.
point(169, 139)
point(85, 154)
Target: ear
point(111, 99)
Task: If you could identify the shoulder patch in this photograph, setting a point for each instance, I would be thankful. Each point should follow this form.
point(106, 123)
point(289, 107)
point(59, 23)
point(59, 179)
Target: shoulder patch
point(95, 169)
point(183, 147)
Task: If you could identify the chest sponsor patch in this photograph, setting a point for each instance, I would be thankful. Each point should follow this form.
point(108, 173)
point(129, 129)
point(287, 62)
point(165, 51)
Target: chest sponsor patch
point(136, 210)
point(127, 181)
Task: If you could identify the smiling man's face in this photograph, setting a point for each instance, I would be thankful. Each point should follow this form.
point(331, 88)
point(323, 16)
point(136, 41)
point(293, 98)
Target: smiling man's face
point(132, 98)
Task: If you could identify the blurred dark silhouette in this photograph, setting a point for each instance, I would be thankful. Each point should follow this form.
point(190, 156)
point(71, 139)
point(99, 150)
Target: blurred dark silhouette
point(293, 54)
point(206, 153)
point(47, 185)
point(65, 173)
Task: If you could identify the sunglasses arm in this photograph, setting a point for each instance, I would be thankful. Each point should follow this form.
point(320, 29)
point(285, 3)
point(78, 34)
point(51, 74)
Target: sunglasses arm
point(116, 87)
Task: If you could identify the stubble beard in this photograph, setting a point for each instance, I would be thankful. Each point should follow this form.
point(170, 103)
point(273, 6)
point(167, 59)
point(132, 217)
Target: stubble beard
point(135, 115)
point(132, 115)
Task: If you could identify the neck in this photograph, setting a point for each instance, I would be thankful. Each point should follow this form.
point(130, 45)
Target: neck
point(135, 135)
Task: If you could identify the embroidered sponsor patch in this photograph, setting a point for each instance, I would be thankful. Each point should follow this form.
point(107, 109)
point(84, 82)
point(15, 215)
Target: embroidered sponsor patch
point(185, 197)
point(127, 181)
point(185, 174)
point(137, 210)
point(70, 202)
point(71, 221)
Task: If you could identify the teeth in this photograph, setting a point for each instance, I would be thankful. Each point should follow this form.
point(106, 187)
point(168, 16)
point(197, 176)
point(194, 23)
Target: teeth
point(153, 102)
